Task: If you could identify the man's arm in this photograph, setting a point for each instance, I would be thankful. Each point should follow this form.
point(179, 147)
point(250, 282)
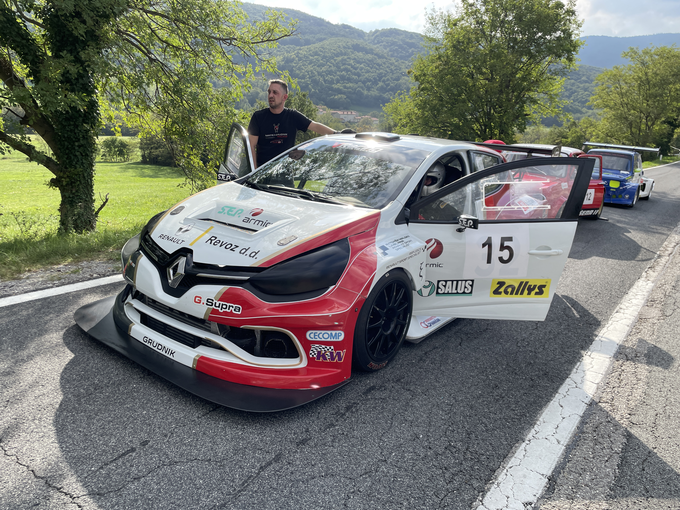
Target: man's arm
point(321, 129)
point(253, 142)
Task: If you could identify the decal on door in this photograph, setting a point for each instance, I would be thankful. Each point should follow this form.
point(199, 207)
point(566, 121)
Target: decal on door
point(455, 287)
point(520, 288)
point(497, 251)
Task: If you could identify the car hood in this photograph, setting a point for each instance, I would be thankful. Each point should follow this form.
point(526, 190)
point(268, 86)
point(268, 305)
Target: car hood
point(615, 175)
point(232, 225)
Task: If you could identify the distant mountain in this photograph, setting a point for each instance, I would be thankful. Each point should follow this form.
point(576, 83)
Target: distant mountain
point(604, 51)
point(344, 67)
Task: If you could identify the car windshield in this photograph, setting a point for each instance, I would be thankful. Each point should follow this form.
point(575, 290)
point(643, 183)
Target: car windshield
point(615, 163)
point(364, 173)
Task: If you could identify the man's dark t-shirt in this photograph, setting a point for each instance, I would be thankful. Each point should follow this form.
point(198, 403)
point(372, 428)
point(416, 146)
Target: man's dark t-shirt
point(275, 132)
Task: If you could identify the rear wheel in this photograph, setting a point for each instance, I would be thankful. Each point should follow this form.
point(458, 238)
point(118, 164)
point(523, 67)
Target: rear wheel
point(383, 322)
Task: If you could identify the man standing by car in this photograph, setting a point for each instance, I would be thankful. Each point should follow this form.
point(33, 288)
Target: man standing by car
point(272, 130)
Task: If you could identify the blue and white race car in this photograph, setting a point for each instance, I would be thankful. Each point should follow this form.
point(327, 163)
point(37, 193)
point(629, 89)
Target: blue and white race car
point(622, 173)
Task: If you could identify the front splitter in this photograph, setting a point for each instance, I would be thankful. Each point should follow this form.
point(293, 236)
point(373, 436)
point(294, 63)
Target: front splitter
point(96, 319)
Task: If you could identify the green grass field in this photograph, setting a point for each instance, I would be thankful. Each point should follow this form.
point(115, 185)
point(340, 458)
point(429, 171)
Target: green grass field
point(29, 217)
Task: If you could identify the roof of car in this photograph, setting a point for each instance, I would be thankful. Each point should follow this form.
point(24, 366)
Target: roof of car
point(426, 143)
point(621, 152)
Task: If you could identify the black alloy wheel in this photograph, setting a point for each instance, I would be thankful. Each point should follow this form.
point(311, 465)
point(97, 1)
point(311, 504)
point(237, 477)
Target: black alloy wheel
point(383, 322)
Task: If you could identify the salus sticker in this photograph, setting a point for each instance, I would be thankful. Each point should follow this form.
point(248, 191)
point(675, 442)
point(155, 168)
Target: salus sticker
point(455, 287)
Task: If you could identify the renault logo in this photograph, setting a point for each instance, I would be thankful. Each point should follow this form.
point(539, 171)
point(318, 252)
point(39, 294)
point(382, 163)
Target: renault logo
point(176, 271)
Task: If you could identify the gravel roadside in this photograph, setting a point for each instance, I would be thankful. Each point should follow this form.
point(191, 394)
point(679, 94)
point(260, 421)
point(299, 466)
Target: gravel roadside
point(56, 276)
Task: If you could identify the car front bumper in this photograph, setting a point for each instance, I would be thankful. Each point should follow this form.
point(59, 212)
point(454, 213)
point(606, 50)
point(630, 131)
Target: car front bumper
point(102, 320)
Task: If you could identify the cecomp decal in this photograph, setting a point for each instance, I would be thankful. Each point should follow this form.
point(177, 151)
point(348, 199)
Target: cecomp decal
point(326, 353)
point(520, 288)
point(455, 287)
point(325, 336)
point(219, 305)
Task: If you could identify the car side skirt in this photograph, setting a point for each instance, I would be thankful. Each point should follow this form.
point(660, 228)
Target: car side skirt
point(97, 320)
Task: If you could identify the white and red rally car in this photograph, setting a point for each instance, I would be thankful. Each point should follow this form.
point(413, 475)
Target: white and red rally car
point(261, 293)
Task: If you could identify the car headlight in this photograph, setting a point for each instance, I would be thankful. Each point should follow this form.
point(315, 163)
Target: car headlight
point(315, 270)
point(149, 245)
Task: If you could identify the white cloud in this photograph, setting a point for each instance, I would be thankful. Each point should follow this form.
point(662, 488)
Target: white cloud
point(619, 18)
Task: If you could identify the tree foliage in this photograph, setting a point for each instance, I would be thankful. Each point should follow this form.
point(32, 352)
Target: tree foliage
point(69, 65)
point(640, 102)
point(491, 68)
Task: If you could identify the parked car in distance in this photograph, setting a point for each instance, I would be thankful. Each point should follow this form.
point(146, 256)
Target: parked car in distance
point(593, 202)
point(622, 172)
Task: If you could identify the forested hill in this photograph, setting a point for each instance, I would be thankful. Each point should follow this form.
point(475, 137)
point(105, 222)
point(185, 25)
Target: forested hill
point(344, 67)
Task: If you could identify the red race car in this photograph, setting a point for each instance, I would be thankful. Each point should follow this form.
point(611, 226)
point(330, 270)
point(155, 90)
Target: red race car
point(593, 201)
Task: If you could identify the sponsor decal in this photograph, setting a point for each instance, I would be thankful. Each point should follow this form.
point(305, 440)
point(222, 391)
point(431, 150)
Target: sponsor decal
point(256, 212)
point(398, 244)
point(171, 239)
point(588, 212)
point(248, 220)
point(164, 349)
point(455, 287)
point(434, 248)
point(411, 254)
point(434, 265)
point(427, 289)
point(235, 248)
point(218, 305)
point(231, 211)
point(326, 353)
point(520, 288)
point(326, 336)
point(286, 240)
point(429, 322)
point(177, 210)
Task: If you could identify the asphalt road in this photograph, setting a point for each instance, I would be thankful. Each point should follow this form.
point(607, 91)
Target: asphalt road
point(83, 427)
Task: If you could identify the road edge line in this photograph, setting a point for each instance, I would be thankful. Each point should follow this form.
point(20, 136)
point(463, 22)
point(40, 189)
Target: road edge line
point(56, 291)
point(523, 477)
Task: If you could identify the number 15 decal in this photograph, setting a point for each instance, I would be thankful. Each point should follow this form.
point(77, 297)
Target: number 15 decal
point(497, 251)
point(504, 247)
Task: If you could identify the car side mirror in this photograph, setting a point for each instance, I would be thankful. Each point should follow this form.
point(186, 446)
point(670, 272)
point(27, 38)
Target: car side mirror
point(466, 221)
point(225, 175)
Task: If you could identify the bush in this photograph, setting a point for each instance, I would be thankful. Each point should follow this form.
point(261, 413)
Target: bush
point(156, 151)
point(116, 149)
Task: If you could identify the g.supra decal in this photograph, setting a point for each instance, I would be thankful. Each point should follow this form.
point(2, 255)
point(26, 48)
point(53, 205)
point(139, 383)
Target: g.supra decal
point(264, 292)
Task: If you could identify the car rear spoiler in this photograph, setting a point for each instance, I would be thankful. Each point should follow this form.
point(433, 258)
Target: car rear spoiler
point(625, 147)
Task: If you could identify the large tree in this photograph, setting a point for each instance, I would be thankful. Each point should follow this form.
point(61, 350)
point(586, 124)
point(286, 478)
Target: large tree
point(491, 67)
point(640, 102)
point(66, 65)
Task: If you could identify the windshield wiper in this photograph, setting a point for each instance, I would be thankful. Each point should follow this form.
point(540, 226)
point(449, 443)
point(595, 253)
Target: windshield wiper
point(256, 185)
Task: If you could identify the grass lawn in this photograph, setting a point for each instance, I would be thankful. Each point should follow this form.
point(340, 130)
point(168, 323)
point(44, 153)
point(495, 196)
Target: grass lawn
point(29, 216)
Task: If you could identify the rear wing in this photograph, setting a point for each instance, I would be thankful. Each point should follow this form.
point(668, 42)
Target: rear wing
point(624, 147)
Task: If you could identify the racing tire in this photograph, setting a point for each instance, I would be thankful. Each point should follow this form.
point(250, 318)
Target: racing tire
point(635, 198)
point(383, 322)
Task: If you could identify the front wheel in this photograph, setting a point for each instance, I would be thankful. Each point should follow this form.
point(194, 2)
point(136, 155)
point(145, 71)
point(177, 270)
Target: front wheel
point(383, 322)
point(635, 198)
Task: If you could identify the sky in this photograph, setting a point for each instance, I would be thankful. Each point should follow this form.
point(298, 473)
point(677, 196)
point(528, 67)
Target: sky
point(617, 18)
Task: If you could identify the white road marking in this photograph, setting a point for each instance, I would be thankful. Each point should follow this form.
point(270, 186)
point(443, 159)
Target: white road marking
point(524, 476)
point(56, 291)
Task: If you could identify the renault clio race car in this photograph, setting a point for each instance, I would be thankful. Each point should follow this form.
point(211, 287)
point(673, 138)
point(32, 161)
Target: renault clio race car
point(262, 292)
point(624, 178)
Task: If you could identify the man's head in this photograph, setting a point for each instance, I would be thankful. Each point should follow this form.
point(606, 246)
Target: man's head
point(277, 93)
point(434, 179)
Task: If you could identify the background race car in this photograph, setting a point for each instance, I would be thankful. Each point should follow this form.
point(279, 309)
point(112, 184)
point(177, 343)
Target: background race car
point(623, 176)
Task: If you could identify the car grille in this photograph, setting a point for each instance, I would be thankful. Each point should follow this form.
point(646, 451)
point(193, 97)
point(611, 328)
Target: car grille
point(263, 344)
